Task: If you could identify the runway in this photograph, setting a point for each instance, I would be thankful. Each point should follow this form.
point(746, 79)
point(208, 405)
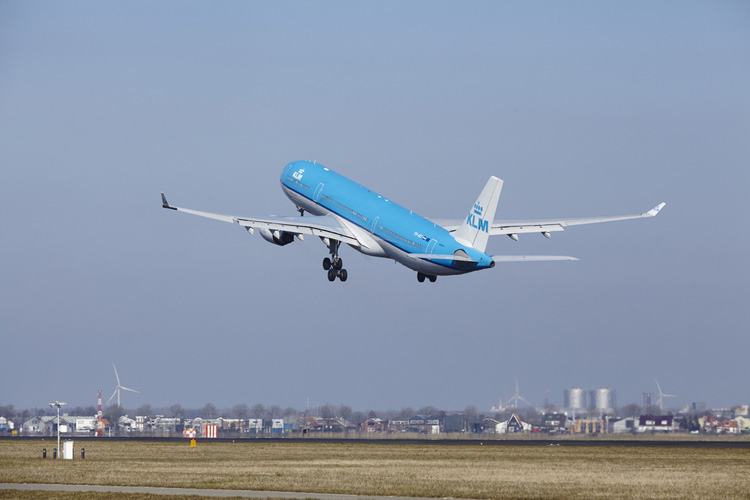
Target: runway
point(195, 492)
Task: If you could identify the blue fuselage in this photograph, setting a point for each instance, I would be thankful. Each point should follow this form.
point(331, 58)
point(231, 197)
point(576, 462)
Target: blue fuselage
point(386, 228)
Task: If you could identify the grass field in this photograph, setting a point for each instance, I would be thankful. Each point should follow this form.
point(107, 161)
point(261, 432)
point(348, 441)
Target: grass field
point(419, 470)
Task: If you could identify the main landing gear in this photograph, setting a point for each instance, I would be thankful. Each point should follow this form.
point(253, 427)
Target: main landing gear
point(334, 264)
point(422, 276)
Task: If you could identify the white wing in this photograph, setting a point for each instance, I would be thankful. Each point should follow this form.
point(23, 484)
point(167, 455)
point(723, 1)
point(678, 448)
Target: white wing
point(325, 226)
point(547, 226)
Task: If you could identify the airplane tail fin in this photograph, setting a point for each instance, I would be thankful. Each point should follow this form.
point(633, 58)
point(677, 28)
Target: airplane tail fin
point(475, 230)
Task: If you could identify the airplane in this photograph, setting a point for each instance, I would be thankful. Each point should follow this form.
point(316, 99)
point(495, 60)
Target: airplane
point(342, 211)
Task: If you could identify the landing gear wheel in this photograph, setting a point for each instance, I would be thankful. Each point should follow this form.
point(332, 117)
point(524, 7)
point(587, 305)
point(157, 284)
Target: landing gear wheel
point(432, 278)
point(420, 277)
point(334, 265)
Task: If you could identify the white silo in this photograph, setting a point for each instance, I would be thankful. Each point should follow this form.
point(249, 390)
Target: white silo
point(603, 399)
point(575, 398)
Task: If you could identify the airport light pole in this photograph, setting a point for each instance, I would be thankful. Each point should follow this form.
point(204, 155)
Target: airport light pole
point(58, 404)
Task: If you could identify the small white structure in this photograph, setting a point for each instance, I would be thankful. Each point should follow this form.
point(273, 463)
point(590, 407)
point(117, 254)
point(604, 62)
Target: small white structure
point(68, 450)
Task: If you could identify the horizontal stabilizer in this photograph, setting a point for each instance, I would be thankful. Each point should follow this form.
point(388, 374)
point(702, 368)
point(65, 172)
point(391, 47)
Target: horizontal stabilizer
point(530, 258)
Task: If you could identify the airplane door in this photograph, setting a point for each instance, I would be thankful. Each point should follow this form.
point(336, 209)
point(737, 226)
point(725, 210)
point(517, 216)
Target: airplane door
point(431, 246)
point(318, 190)
point(374, 225)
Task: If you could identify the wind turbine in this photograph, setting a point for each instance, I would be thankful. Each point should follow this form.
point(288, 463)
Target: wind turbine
point(118, 388)
point(516, 398)
point(662, 395)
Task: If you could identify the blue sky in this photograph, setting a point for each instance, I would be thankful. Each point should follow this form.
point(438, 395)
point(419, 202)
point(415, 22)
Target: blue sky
point(583, 108)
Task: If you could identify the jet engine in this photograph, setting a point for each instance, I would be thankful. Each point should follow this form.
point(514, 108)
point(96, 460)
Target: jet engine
point(280, 238)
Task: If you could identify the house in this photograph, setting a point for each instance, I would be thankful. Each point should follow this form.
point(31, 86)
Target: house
point(461, 422)
point(37, 425)
point(651, 423)
point(162, 424)
point(623, 425)
point(397, 425)
point(424, 425)
point(373, 425)
point(127, 424)
point(737, 425)
point(743, 424)
point(554, 422)
point(85, 424)
point(5, 424)
point(254, 426)
point(47, 425)
point(513, 424)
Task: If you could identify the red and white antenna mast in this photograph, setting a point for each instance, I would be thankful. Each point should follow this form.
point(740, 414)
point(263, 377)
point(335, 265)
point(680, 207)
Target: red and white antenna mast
point(99, 423)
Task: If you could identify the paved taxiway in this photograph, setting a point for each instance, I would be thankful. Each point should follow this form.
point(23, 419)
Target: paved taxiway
point(192, 491)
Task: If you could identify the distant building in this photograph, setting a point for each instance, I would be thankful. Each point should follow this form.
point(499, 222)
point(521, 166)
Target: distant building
point(47, 425)
point(743, 424)
point(554, 422)
point(424, 425)
point(651, 423)
point(603, 399)
point(254, 426)
point(512, 425)
point(579, 400)
point(697, 407)
point(575, 399)
point(623, 425)
point(5, 424)
point(127, 424)
point(737, 425)
point(587, 426)
point(460, 422)
point(373, 425)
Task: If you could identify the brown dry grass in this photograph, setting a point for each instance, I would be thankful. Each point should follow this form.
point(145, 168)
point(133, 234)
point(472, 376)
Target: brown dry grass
point(429, 470)
point(65, 495)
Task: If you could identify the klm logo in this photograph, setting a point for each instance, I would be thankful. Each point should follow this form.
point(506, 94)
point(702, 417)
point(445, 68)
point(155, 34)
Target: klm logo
point(475, 219)
point(298, 174)
point(478, 223)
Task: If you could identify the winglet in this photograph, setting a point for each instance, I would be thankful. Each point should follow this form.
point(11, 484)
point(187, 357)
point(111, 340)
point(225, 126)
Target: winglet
point(165, 204)
point(655, 210)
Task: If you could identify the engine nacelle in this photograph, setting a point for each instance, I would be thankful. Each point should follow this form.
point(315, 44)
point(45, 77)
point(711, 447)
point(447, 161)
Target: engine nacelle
point(280, 238)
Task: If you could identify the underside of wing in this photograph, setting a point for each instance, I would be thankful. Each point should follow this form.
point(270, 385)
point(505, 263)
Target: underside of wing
point(325, 226)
